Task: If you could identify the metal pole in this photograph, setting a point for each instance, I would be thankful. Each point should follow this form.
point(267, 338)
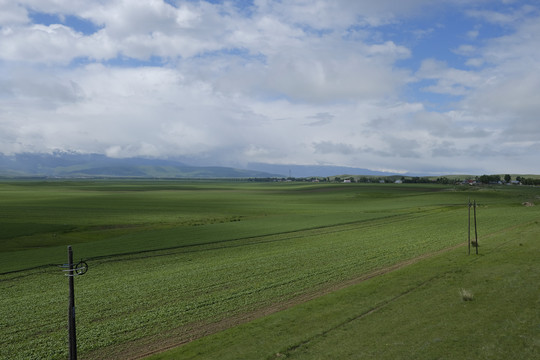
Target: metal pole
point(71, 309)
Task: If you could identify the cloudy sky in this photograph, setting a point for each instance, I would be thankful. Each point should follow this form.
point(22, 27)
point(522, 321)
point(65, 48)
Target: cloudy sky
point(431, 87)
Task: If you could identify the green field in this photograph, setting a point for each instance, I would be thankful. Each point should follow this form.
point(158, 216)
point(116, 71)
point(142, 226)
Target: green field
point(173, 261)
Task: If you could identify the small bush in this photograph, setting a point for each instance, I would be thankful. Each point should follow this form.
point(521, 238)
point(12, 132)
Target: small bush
point(466, 295)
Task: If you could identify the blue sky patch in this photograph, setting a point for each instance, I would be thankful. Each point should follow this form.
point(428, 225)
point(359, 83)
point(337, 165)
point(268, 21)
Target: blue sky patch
point(76, 23)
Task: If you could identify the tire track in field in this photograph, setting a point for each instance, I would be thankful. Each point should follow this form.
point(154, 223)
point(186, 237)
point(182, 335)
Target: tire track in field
point(216, 245)
point(245, 241)
point(136, 351)
point(384, 303)
point(267, 238)
point(142, 348)
point(355, 318)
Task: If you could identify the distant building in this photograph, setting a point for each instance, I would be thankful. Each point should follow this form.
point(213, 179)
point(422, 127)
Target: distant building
point(398, 182)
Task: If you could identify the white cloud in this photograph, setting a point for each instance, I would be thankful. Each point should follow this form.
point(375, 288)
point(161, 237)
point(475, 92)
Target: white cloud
point(12, 13)
point(320, 119)
point(475, 62)
point(466, 50)
point(283, 82)
point(512, 82)
point(447, 80)
point(511, 17)
point(473, 34)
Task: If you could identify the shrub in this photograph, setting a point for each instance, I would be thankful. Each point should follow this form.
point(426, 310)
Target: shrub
point(466, 295)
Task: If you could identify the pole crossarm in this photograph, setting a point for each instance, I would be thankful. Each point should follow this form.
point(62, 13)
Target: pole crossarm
point(80, 269)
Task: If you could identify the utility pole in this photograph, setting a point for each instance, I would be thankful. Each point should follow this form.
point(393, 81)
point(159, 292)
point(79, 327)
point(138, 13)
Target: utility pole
point(71, 310)
point(71, 272)
point(469, 230)
point(475, 241)
point(475, 231)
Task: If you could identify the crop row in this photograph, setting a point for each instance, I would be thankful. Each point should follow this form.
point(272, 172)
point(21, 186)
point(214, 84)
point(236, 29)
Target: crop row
point(126, 299)
point(297, 243)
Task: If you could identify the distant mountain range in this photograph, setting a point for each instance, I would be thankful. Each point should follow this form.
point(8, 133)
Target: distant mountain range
point(76, 165)
point(301, 171)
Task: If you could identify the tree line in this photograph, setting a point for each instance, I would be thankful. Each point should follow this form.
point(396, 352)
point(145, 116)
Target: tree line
point(483, 179)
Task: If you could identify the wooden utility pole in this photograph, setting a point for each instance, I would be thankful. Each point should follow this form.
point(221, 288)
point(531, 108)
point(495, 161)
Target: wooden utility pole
point(72, 271)
point(475, 232)
point(71, 309)
point(469, 230)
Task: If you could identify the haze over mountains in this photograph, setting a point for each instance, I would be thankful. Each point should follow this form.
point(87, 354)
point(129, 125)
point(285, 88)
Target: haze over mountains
point(75, 165)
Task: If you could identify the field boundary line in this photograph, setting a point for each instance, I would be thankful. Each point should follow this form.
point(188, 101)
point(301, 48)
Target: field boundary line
point(113, 257)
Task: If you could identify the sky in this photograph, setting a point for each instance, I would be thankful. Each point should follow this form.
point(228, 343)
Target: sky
point(419, 86)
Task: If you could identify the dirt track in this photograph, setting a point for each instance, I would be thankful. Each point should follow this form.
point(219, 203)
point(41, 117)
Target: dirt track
point(145, 347)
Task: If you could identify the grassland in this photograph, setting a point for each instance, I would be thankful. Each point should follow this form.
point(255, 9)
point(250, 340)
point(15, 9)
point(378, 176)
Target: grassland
point(173, 261)
point(415, 312)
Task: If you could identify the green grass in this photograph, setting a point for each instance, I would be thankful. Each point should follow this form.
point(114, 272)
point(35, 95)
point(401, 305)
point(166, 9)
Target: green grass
point(416, 312)
point(137, 216)
point(168, 258)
